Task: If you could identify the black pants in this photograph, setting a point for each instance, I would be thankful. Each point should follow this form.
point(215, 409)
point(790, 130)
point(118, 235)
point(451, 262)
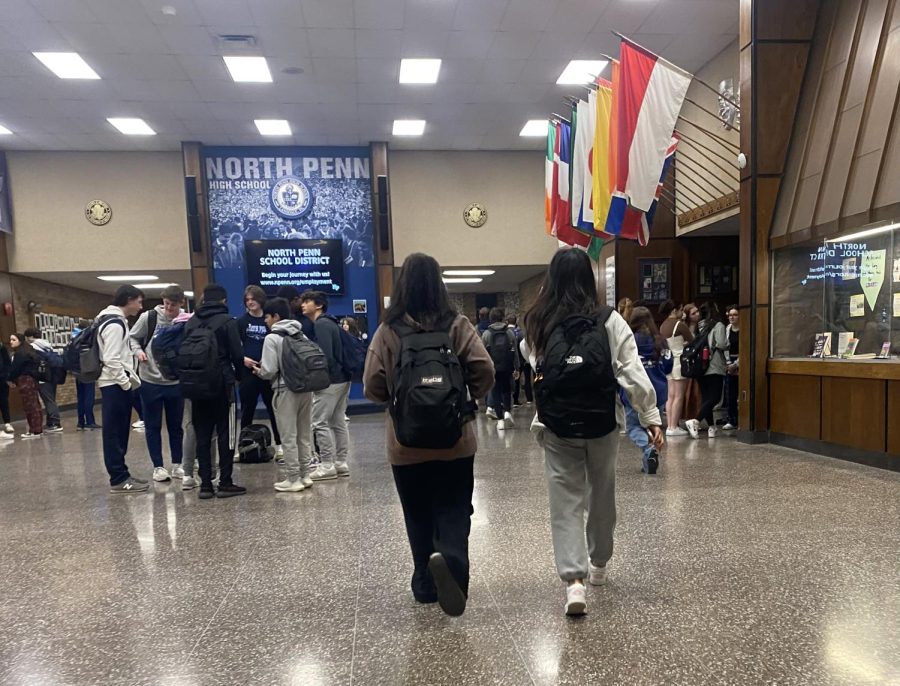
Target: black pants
point(437, 507)
point(116, 412)
point(4, 401)
point(216, 415)
point(711, 395)
point(731, 398)
point(500, 397)
point(524, 381)
point(251, 387)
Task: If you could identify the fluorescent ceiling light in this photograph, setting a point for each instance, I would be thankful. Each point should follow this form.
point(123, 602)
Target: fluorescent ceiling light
point(419, 71)
point(409, 127)
point(67, 65)
point(129, 277)
point(151, 286)
point(534, 127)
point(864, 234)
point(273, 127)
point(189, 294)
point(463, 280)
point(469, 272)
point(579, 72)
point(249, 69)
point(4, 131)
point(131, 126)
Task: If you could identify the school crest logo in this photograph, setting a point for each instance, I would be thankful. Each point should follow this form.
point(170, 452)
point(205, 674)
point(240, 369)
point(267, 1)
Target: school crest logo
point(291, 197)
point(475, 215)
point(98, 212)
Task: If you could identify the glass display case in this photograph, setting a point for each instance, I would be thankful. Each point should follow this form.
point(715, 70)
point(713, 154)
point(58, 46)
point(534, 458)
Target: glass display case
point(839, 298)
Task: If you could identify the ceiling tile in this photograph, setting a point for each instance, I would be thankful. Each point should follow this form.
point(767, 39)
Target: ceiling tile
point(513, 44)
point(117, 12)
point(481, 15)
point(581, 15)
point(237, 11)
point(552, 45)
point(187, 40)
point(285, 13)
point(64, 10)
point(380, 71)
point(375, 92)
point(424, 43)
point(379, 43)
point(332, 43)
point(37, 36)
point(383, 14)
point(330, 14)
point(469, 44)
point(627, 16)
point(527, 15)
point(502, 71)
point(186, 12)
point(428, 15)
point(334, 70)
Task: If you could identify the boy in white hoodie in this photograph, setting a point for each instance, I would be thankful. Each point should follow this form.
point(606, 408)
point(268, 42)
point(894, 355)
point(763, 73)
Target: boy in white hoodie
point(293, 411)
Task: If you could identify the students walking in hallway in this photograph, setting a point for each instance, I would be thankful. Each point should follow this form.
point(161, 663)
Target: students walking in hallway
point(23, 375)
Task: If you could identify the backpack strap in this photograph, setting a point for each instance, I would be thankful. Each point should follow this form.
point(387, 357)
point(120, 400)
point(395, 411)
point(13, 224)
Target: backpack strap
point(152, 320)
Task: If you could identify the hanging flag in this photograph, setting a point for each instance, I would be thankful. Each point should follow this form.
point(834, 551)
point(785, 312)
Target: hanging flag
point(636, 224)
point(581, 167)
point(649, 99)
point(549, 175)
point(562, 225)
point(601, 185)
point(612, 163)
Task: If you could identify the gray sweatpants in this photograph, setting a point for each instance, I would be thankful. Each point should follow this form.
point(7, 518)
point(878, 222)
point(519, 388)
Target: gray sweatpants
point(329, 418)
point(293, 415)
point(189, 443)
point(581, 475)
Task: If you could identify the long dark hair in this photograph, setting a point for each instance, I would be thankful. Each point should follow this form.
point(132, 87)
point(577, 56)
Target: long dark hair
point(709, 315)
point(642, 322)
point(24, 347)
point(420, 293)
point(569, 288)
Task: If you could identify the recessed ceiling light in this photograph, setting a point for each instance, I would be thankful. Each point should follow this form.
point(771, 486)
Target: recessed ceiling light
point(131, 126)
point(463, 280)
point(151, 286)
point(248, 69)
point(419, 71)
point(409, 127)
point(579, 72)
point(273, 127)
point(534, 127)
point(129, 277)
point(469, 272)
point(67, 65)
point(4, 131)
point(189, 294)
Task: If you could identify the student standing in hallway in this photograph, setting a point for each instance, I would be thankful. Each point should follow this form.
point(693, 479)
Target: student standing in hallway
point(159, 393)
point(5, 363)
point(46, 388)
point(117, 380)
point(732, 369)
point(582, 352)
point(713, 380)
point(23, 374)
point(85, 392)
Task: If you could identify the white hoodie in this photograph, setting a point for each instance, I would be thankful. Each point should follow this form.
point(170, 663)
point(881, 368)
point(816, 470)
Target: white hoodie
point(115, 353)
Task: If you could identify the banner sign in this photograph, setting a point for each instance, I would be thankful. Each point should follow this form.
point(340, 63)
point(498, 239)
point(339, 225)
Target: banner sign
point(307, 264)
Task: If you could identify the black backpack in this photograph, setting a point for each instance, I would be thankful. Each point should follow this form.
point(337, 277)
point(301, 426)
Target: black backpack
point(502, 351)
point(255, 444)
point(575, 385)
point(82, 355)
point(304, 367)
point(695, 357)
point(199, 368)
point(429, 401)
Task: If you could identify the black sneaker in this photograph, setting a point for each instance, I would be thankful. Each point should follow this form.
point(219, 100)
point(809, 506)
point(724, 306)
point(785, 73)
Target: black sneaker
point(80, 427)
point(93, 427)
point(651, 462)
point(230, 490)
point(206, 492)
point(450, 596)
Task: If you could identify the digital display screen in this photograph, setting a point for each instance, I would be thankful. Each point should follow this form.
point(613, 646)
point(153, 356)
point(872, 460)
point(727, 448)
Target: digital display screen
point(316, 265)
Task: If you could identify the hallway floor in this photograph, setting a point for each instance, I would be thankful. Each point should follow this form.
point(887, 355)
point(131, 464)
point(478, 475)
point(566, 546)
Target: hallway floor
point(736, 564)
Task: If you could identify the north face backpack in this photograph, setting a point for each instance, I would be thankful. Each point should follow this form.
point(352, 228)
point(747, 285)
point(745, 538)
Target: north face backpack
point(304, 367)
point(502, 351)
point(429, 402)
point(165, 346)
point(255, 444)
point(695, 357)
point(575, 385)
point(198, 364)
point(82, 355)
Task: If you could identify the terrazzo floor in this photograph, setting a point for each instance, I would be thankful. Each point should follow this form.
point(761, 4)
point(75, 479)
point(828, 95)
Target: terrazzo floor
point(736, 564)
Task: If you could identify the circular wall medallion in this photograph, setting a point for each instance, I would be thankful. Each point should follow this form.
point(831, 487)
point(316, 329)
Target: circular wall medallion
point(475, 215)
point(98, 212)
point(291, 198)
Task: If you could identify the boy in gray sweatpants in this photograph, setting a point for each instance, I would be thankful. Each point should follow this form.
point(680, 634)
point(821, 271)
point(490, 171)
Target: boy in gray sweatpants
point(293, 411)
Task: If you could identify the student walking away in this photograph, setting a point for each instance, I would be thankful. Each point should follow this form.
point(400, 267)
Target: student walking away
point(117, 380)
point(296, 367)
point(582, 352)
point(23, 375)
point(732, 369)
point(711, 348)
point(50, 375)
point(5, 364)
point(293, 297)
point(500, 342)
point(329, 412)
point(484, 319)
point(252, 326)
point(158, 392)
point(210, 363)
point(676, 334)
point(426, 360)
point(523, 381)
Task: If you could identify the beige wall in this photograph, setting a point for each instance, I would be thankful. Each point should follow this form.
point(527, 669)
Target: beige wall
point(145, 190)
point(430, 190)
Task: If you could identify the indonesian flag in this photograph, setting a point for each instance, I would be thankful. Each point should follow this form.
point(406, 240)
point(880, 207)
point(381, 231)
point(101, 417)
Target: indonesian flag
point(562, 225)
point(549, 178)
point(636, 224)
point(650, 96)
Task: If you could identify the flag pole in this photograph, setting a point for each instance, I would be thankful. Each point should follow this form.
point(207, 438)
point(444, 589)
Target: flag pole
point(732, 173)
point(698, 144)
point(709, 112)
point(695, 166)
point(695, 197)
point(724, 141)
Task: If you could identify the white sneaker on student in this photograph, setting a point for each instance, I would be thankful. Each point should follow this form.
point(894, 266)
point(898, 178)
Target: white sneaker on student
point(160, 474)
point(676, 431)
point(307, 482)
point(598, 575)
point(729, 427)
point(342, 468)
point(576, 600)
point(713, 432)
point(491, 413)
point(279, 451)
point(138, 425)
point(324, 473)
point(288, 486)
point(693, 427)
point(508, 420)
point(177, 471)
point(189, 483)
point(501, 425)
point(28, 435)
point(9, 429)
point(6, 436)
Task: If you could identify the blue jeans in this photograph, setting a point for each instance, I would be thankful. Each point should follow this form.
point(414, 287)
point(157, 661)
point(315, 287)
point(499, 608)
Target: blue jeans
point(636, 432)
point(155, 398)
point(500, 396)
point(85, 393)
point(116, 413)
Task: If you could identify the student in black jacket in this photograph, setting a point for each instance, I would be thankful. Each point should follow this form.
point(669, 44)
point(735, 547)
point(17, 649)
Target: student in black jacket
point(23, 373)
point(217, 413)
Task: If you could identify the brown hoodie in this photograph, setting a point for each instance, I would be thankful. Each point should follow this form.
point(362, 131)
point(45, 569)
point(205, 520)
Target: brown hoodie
point(378, 380)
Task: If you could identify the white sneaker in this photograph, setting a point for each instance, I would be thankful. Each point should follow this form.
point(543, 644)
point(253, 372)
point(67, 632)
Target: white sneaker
point(6, 436)
point(324, 473)
point(576, 600)
point(28, 435)
point(491, 413)
point(598, 575)
point(713, 432)
point(501, 425)
point(307, 482)
point(729, 427)
point(9, 429)
point(189, 483)
point(279, 451)
point(138, 425)
point(676, 431)
point(177, 471)
point(288, 486)
point(508, 419)
point(160, 474)
point(342, 468)
point(693, 427)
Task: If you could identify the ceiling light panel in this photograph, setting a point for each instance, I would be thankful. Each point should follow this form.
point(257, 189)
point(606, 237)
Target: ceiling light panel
point(579, 72)
point(419, 70)
point(409, 127)
point(469, 272)
point(4, 131)
point(129, 277)
point(131, 126)
point(273, 127)
point(67, 65)
point(248, 69)
point(463, 280)
point(534, 127)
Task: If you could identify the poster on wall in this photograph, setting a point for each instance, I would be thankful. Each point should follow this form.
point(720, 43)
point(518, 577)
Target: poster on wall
point(315, 265)
point(5, 202)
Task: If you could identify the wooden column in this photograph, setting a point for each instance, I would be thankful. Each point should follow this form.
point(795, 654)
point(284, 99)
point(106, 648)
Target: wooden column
point(381, 219)
point(202, 259)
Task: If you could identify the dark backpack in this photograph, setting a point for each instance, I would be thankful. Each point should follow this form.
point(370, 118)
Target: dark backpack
point(304, 367)
point(164, 348)
point(50, 367)
point(255, 444)
point(353, 352)
point(152, 320)
point(198, 365)
point(695, 357)
point(429, 400)
point(82, 355)
point(502, 351)
point(575, 385)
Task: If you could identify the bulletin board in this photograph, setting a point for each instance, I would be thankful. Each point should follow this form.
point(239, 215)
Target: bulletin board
point(654, 280)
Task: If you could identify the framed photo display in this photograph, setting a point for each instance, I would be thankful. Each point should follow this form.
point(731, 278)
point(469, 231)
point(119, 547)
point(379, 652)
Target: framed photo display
point(654, 280)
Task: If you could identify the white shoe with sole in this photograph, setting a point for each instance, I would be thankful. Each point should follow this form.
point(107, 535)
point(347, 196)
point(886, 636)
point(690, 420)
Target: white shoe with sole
point(508, 420)
point(177, 471)
point(501, 425)
point(189, 483)
point(713, 432)
point(693, 427)
point(138, 425)
point(6, 436)
point(288, 486)
point(598, 575)
point(28, 435)
point(307, 482)
point(9, 429)
point(576, 600)
point(324, 473)
point(160, 474)
point(491, 413)
point(342, 468)
point(674, 431)
point(729, 427)
point(279, 451)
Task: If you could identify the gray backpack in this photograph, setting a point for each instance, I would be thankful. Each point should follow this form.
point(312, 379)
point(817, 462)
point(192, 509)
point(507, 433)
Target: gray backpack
point(304, 367)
